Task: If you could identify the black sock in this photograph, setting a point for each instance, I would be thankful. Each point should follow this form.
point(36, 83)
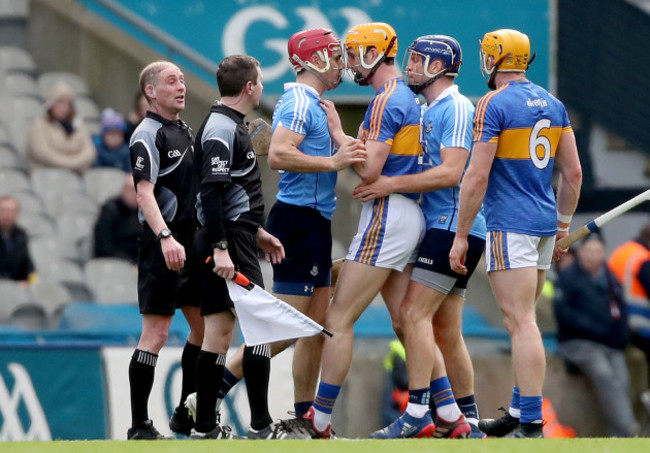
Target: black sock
point(257, 367)
point(209, 371)
point(141, 373)
point(188, 365)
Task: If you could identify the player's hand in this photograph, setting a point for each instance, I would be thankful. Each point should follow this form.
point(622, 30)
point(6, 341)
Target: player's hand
point(351, 152)
point(223, 265)
point(173, 252)
point(380, 187)
point(271, 246)
point(559, 252)
point(333, 119)
point(457, 255)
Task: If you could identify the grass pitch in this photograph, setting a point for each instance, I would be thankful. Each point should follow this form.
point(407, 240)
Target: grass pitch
point(336, 446)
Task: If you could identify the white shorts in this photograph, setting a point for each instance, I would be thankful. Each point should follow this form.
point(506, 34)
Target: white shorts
point(506, 250)
point(390, 230)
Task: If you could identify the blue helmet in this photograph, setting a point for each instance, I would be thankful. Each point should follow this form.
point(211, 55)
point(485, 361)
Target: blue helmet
point(436, 47)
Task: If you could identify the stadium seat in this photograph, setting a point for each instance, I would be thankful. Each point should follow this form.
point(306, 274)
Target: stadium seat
point(36, 224)
point(8, 158)
point(59, 180)
point(16, 59)
point(29, 202)
point(19, 83)
point(12, 295)
point(45, 249)
point(21, 107)
point(103, 183)
point(12, 180)
point(51, 296)
point(5, 137)
point(48, 79)
point(112, 280)
point(86, 108)
point(29, 316)
point(75, 226)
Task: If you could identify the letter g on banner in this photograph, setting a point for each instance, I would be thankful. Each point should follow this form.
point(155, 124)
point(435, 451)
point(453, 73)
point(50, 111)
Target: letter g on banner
point(23, 391)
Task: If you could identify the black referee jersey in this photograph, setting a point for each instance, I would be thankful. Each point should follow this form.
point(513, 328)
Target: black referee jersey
point(162, 153)
point(227, 170)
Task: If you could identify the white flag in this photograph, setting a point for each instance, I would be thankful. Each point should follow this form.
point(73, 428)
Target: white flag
point(263, 318)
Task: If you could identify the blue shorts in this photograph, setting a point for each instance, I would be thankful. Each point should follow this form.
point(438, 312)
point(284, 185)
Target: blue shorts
point(433, 256)
point(307, 239)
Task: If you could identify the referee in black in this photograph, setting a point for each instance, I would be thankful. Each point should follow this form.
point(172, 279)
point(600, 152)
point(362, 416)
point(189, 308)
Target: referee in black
point(164, 177)
point(230, 209)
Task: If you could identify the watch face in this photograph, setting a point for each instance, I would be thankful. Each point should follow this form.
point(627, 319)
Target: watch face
point(165, 233)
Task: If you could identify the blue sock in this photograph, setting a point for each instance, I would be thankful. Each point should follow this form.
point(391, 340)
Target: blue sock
point(301, 408)
point(441, 392)
point(228, 382)
point(419, 396)
point(531, 409)
point(326, 397)
point(468, 406)
point(514, 402)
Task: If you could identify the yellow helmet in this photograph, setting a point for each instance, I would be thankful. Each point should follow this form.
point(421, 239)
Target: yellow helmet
point(379, 35)
point(510, 49)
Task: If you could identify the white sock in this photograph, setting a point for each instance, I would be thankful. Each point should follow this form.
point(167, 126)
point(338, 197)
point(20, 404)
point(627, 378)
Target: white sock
point(472, 421)
point(516, 413)
point(449, 412)
point(416, 410)
point(321, 420)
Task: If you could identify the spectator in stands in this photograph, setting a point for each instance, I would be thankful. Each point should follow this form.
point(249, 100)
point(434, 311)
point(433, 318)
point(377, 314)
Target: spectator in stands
point(117, 227)
point(593, 332)
point(55, 140)
point(112, 149)
point(631, 265)
point(135, 116)
point(15, 262)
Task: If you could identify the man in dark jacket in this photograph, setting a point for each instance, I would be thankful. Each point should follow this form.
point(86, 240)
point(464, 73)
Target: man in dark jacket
point(117, 228)
point(15, 262)
point(593, 332)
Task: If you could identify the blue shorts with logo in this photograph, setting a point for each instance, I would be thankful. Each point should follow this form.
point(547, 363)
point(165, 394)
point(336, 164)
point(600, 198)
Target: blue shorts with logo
point(307, 239)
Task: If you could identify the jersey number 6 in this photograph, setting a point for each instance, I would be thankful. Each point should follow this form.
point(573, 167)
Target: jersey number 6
point(536, 140)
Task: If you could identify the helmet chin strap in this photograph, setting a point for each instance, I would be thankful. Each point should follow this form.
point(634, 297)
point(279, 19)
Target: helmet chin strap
point(359, 79)
point(417, 89)
point(318, 72)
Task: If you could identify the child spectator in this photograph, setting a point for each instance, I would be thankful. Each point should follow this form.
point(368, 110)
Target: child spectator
point(112, 150)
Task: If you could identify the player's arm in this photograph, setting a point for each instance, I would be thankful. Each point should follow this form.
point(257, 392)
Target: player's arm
point(339, 137)
point(285, 155)
point(173, 251)
point(472, 193)
point(570, 180)
point(447, 174)
point(377, 153)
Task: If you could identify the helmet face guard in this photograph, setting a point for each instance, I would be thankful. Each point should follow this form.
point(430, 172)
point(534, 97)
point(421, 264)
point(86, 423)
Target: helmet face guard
point(320, 41)
point(426, 49)
point(360, 39)
point(510, 51)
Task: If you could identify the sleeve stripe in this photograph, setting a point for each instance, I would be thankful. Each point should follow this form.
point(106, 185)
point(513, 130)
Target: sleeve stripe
point(375, 125)
point(299, 111)
point(155, 165)
point(480, 112)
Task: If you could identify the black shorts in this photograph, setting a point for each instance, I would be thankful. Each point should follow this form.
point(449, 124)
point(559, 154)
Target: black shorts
point(307, 239)
point(160, 290)
point(242, 248)
point(433, 255)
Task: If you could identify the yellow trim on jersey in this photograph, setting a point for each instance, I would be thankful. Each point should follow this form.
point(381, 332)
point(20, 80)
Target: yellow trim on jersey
point(515, 143)
point(479, 115)
point(406, 141)
point(378, 110)
point(373, 232)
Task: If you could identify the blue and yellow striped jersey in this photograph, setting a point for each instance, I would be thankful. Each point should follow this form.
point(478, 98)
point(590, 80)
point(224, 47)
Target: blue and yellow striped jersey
point(393, 117)
point(526, 122)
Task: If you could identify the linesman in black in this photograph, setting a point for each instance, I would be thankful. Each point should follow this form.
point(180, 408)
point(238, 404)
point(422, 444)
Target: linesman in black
point(166, 186)
point(230, 209)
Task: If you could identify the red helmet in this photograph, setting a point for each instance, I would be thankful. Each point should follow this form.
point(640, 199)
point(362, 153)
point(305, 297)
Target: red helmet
point(303, 44)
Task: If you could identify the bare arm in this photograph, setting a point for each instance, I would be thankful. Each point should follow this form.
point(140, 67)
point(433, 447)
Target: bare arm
point(334, 123)
point(173, 251)
point(447, 174)
point(472, 193)
point(370, 170)
point(570, 182)
point(285, 155)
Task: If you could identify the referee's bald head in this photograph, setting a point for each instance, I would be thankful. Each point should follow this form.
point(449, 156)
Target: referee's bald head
point(149, 75)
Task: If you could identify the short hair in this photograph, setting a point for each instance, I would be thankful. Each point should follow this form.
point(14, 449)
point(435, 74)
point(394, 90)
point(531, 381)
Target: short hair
point(149, 75)
point(234, 72)
point(4, 198)
point(644, 235)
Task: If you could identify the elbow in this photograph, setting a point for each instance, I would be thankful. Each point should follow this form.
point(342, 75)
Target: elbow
point(275, 159)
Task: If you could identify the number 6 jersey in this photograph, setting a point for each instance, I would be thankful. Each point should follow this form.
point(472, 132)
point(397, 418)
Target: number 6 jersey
point(526, 122)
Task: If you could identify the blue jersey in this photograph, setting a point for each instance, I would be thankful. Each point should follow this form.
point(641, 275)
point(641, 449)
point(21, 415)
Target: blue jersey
point(299, 111)
point(393, 117)
point(447, 123)
point(526, 123)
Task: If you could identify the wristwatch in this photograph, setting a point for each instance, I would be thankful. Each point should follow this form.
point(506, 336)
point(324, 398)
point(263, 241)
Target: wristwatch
point(164, 233)
point(223, 245)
